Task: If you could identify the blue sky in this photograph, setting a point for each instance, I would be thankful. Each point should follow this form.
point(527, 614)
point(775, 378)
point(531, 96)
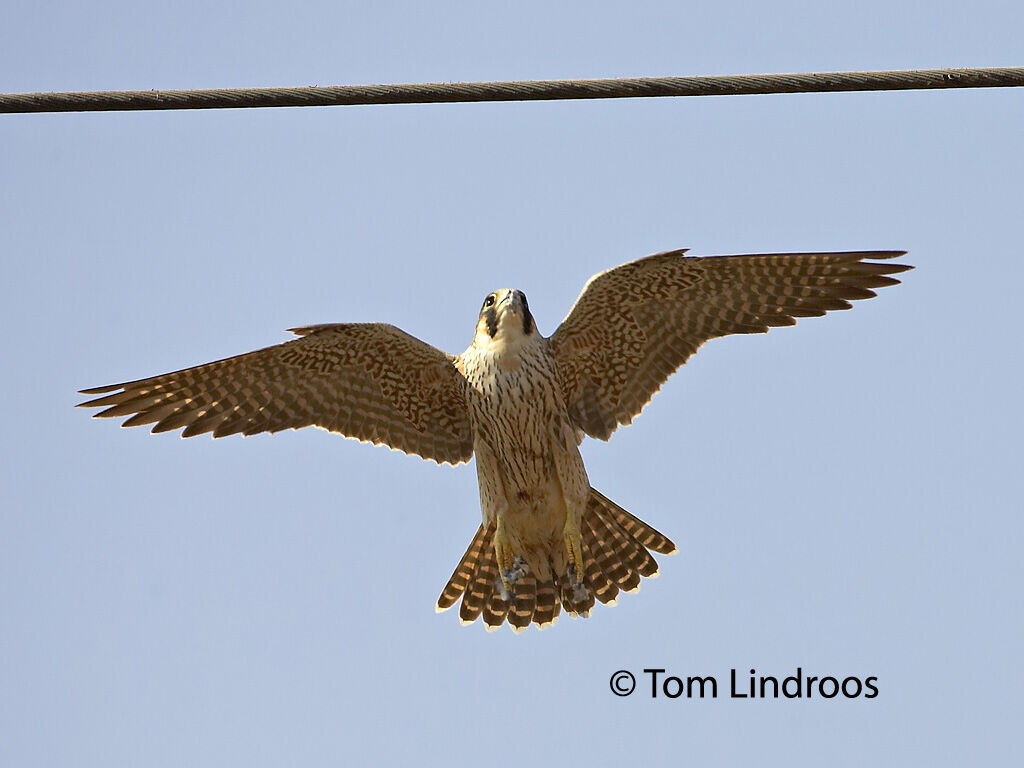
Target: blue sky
point(845, 494)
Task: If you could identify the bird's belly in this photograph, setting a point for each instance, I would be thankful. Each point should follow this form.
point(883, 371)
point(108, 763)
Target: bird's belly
point(534, 525)
point(538, 512)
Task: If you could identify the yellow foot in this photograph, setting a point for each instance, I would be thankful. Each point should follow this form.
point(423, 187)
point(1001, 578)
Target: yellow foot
point(574, 551)
point(511, 567)
point(503, 555)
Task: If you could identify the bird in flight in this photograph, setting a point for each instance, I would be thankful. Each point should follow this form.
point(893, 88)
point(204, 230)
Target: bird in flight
point(518, 401)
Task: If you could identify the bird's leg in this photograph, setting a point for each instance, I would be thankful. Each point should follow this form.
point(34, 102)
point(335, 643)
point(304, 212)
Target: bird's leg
point(574, 551)
point(576, 492)
point(511, 567)
point(502, 553)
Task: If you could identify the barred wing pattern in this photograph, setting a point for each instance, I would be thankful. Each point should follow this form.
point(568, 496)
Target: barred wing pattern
point(634, 325)
point(369, 381)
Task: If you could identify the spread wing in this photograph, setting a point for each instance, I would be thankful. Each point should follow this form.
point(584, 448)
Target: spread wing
point(370, 381)
point(634, 325)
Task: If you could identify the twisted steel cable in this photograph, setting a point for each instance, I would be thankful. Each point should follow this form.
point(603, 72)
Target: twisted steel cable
point(530, 90)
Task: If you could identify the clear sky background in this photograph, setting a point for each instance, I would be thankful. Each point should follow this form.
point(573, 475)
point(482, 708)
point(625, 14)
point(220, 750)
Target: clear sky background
point(846, 494)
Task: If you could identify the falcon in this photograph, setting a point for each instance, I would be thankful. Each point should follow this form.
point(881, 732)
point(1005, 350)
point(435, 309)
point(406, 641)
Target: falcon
point(519, 402)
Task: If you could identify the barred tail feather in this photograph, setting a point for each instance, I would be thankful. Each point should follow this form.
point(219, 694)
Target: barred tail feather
point(617, 570)
point(524, 603)
point(548, 605)
point(604, 588)
point(495, 611)
point(626, 548)
point(480, 587)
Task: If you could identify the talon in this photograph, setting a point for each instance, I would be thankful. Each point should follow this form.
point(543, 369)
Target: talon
point(580, 593)
point(499, 585)
point(511, 575)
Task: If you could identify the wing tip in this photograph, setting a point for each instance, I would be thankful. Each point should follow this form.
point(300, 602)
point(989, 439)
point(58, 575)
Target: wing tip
point(99, 390)
point(307, 330)
point(895, 269)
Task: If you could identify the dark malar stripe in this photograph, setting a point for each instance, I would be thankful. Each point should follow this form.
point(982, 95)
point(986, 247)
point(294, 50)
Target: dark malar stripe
point(527, 317)
point(492, 322)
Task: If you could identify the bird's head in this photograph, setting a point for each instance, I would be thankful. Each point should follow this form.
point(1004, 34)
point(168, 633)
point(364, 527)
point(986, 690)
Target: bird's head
point(504, 319)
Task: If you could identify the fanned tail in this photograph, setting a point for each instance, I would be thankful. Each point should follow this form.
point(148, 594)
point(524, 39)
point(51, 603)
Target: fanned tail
point(617, 556)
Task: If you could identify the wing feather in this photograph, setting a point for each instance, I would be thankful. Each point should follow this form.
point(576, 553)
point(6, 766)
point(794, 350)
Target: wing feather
point(634, 325)
point(369, 381)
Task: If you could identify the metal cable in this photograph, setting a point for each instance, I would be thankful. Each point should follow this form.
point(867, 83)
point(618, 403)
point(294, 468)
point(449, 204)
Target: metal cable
point(531, 90)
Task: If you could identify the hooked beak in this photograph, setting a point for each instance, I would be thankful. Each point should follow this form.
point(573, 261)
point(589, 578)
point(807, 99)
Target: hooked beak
point(510, 300)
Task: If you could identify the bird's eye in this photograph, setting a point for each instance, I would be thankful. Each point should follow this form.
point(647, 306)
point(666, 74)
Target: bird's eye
point(489, 301)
